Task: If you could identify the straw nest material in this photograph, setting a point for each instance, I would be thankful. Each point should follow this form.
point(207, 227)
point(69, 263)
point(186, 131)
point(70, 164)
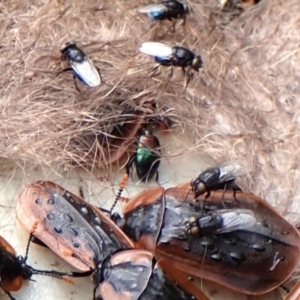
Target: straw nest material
point(243, 104)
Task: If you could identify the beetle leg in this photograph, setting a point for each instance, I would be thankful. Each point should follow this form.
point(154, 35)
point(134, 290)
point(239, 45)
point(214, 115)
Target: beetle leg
point(30, 238)
point(152, 26)
point(205, 198)
point(187, 79)
point(183, 22)
point(224, 190)
point(129, 164)
point(154, 70)
point(75, 82)
point(156, 178)
point(64, 70)
point(10, 296)
point(81, 190)
point(173, 25)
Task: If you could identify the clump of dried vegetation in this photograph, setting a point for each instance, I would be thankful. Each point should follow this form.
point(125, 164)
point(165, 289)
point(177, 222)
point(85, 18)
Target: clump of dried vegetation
point(243, 104)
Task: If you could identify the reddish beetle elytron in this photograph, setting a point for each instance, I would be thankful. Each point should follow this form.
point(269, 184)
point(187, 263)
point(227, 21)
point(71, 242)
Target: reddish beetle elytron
point(14, 270)
point(246, 246)
point(134, 274)
point(87, 239)
point(69, 226)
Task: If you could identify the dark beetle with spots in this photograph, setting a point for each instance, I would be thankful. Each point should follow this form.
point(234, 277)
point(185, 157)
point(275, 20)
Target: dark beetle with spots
point(88, 240)
point(246, 246)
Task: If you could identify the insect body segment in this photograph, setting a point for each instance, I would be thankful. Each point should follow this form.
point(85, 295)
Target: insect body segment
point(248, 241)
point(170, 9)
point(146, 159)
point(89, 240)
point(220, 221)
point(76, 231)
point(219, 177)
point(138, 274)
point(82, 66)
point(175, 56)
point(14, 270)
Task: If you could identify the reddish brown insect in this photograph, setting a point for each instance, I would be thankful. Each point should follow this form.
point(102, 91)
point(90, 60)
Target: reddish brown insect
point(14, 270)
point(73, 229)
point(87, 239)
point(246, 245)
point(135, 274)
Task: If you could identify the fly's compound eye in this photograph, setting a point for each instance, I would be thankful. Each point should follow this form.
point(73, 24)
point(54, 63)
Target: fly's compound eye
point(198, 187)
point(192, 226)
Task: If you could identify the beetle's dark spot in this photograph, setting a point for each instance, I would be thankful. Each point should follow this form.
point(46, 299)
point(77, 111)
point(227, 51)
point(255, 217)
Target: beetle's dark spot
point(76, 245)
point(68, 218)
point(73, 231)
point(50, 216)
point(38, 201)
point(58, 229)
point(51, 201)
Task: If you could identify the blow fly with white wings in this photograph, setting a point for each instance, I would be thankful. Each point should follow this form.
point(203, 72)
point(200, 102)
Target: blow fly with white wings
point(82, 66)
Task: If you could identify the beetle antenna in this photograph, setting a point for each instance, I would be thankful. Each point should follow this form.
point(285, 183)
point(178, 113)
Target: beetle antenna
point(61, 275)
point(27, 248)
point(30, 239)
point(122, 185)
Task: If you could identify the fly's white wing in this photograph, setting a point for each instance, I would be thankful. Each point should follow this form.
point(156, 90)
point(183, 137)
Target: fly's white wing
point(156, 7)
point(156, 49)
point(222, 3)
point(236, 219)
point(87, 72)
point(231, 169)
